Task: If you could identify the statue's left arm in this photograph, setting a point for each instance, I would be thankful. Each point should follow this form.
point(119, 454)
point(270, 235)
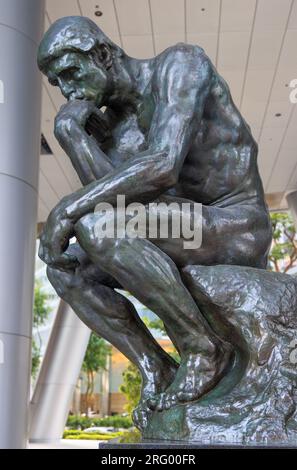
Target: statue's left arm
point(182, 85)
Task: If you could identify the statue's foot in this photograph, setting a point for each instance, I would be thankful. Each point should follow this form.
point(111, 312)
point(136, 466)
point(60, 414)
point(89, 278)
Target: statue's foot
point(196, 376)
point(153, 385)
point(141, 414)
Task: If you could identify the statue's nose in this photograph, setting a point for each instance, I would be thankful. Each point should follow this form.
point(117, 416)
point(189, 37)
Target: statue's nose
point(66, 89)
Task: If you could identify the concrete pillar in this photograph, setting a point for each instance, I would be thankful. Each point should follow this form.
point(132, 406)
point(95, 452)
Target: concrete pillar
point(21, 25)
point(58, 376)
point(292, 204)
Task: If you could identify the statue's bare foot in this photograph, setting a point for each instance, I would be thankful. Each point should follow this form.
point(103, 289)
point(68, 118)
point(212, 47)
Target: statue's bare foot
point(196, 376)
point(153, 385)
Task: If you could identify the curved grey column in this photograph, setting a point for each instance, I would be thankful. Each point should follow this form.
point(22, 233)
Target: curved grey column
point(292, 203)
point(21, 23)
point(58, 376)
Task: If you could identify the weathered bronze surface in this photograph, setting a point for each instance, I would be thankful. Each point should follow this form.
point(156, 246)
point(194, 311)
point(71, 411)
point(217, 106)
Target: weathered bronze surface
point(171, 133)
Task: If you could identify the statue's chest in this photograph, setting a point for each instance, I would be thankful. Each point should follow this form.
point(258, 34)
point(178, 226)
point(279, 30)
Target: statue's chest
point(129, 137)
point(130, 134)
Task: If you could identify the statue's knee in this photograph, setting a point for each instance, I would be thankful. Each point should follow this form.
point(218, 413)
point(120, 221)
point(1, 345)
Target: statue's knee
point(85, 231)
point(88, 233)
point(61, 281)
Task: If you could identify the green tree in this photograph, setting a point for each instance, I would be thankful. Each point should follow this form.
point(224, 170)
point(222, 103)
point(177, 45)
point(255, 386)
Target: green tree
point(283, 252)
point(131, 386)
point(95, 360)
point(41, 311)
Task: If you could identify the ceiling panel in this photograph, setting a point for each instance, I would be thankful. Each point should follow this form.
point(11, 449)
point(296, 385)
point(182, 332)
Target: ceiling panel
point(281, 89)
point(293, 16)
point(272, 15)
point(254, 42)
point(292, 184)
point(288, 56)
point(140, 47)
point(234, 79)
point(207, 41)
point(43, 211)
point(52, 171)
point(255, 131)
point(282, 171)
point(108, 21)
point(233, 19)
point(291, 131)
point(134, 17)
point(47, 22)
point(58, 8)
point(168, 16)
point(162, 41)
point(269, 145)
point(202, 16)
point(265, 49)
point(257, 85)
point(47, 191)
point(276, 108)
point(233, 49)
point(253, 111)
point(56, 95)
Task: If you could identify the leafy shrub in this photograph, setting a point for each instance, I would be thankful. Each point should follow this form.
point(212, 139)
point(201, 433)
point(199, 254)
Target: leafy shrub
point(130, 437)
point(84, 422)
point(76, 434)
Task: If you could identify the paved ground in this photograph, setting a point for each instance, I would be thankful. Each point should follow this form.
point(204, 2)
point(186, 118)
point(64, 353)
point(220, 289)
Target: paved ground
point(66, 444)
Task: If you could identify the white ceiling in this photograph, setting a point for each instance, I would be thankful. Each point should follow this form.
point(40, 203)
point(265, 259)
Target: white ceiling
point(253, 43)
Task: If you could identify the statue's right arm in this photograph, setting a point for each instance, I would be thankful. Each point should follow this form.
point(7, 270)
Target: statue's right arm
point(88, 160)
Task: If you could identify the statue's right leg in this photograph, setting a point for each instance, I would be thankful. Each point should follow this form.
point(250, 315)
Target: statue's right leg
point(113, 317)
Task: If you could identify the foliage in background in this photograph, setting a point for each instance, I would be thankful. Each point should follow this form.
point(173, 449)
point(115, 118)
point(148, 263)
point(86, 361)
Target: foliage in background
point(95, 360)
point(90, 436)
point(41, 312)
point(130, 437)
point(83, 422)
point(283, 253)
point(131, 387)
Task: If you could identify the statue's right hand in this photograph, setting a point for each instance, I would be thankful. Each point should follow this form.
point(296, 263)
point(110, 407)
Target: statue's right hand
point(55, 236)
point(76, 112)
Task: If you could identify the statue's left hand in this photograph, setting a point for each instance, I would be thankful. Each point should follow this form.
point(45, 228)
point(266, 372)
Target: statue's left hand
point(55, 239)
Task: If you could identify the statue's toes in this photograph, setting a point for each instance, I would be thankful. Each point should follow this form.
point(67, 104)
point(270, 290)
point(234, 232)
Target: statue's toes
point(166, 401)
point(140, 416)
point(152, 403)
point(161, 402)
point(185, 396)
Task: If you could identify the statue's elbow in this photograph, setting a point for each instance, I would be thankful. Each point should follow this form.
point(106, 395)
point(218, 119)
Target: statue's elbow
point(63, 128)
point(168, 176)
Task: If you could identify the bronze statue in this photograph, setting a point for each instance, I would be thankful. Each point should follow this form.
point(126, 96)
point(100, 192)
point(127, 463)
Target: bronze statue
point(171, 133)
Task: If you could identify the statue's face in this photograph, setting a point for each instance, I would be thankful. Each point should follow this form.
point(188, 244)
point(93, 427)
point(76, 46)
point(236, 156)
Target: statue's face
point(78, 77)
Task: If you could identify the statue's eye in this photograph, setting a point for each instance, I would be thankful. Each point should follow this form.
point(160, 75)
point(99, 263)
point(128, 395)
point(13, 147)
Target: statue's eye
point(70, 73)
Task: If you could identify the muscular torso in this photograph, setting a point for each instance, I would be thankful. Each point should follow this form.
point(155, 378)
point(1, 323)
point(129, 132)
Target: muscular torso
point(220, 167)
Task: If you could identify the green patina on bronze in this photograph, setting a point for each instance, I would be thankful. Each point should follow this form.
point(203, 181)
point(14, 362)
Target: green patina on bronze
point(171, 133)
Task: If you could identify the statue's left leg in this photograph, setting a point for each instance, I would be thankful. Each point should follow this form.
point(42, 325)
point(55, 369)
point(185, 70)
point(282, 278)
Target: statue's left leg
point(153, 278)
point(150, 270)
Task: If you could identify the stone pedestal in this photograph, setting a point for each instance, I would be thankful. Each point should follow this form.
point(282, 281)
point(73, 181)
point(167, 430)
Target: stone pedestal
point(255, 402)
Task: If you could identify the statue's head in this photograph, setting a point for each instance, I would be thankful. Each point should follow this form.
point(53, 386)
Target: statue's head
point(78, 57)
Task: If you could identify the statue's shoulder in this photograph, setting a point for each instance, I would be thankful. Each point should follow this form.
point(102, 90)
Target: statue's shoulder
point(182, 58)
